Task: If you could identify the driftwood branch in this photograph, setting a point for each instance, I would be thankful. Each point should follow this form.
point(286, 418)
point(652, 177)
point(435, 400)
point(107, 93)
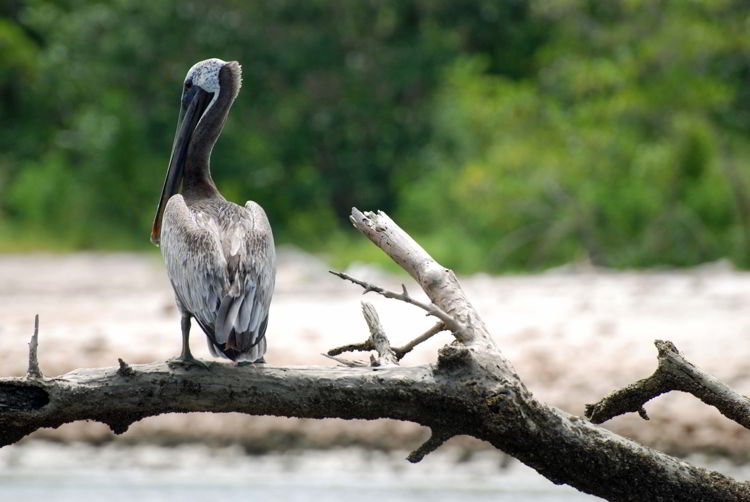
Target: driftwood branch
point(673, 373)
point(472, 389)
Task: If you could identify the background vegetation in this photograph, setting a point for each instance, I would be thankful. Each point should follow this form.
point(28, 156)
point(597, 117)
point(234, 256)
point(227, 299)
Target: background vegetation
point(504, 135)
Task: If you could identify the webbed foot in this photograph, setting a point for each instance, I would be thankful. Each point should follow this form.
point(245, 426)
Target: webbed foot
point(187, 363)
point(240, 364)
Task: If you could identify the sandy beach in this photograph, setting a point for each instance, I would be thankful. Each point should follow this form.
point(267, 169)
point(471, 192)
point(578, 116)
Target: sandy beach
point(573, 334)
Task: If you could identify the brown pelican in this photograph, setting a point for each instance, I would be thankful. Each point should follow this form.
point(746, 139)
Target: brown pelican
point(220, 256)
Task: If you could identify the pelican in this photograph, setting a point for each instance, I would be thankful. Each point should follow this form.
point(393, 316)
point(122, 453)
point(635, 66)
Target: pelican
point(220, 256)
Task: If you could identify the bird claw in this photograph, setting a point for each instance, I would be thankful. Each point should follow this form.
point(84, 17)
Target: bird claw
point(187, 363)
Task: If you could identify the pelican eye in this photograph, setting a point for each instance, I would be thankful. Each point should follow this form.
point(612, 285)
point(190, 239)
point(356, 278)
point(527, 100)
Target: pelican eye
point(188, 84)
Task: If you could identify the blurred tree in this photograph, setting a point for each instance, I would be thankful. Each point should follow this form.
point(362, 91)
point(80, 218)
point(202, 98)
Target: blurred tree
point(335, 101)
point(509, 134)
point(614, 149)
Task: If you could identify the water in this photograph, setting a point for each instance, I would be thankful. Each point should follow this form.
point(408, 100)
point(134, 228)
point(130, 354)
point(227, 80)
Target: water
point(80, 473)
point(124, 487)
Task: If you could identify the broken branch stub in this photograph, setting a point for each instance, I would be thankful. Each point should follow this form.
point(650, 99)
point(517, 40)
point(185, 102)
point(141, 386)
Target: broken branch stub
point(378, 339)
point(435, 441)
point(34, 371)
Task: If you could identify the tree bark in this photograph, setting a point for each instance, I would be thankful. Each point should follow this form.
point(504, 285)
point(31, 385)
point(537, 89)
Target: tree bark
point(472, 389)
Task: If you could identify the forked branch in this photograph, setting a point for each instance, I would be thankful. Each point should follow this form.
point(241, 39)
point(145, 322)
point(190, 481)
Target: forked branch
point(404, 296)
point(673, 373)
point(439, 283)
point(377, 341)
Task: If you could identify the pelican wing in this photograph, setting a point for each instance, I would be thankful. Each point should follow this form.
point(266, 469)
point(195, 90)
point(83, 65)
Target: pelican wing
point(195, 263)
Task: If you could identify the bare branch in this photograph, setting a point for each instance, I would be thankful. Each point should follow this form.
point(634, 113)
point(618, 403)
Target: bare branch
point(365, 346)
point(351, 363)
point(436, 439)
point(431, 309)
point(34, 371)
point(402, 351)
point(673, 373)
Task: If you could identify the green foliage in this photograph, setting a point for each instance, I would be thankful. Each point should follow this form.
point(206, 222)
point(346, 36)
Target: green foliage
point(614, 150)
point(506, 135)
point(335, 97)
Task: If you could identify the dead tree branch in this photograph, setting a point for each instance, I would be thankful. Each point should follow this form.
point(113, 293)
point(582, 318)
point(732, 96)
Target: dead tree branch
point(402, 351)
point(472, 390)
point(439, 283)
point(673, 373)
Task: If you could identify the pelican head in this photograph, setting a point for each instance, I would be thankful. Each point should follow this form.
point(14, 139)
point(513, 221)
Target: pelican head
point(204, 84)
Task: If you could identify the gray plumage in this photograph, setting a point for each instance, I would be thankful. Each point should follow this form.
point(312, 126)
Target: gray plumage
point(220, 260)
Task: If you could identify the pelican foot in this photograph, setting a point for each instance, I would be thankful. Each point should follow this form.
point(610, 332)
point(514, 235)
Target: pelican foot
point(187, 363)
point(250, 363)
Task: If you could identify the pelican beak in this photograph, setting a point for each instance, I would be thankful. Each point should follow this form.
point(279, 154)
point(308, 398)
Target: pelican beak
point(194, 103)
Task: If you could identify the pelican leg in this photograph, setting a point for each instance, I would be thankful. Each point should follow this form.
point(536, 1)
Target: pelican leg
point(186, 358)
